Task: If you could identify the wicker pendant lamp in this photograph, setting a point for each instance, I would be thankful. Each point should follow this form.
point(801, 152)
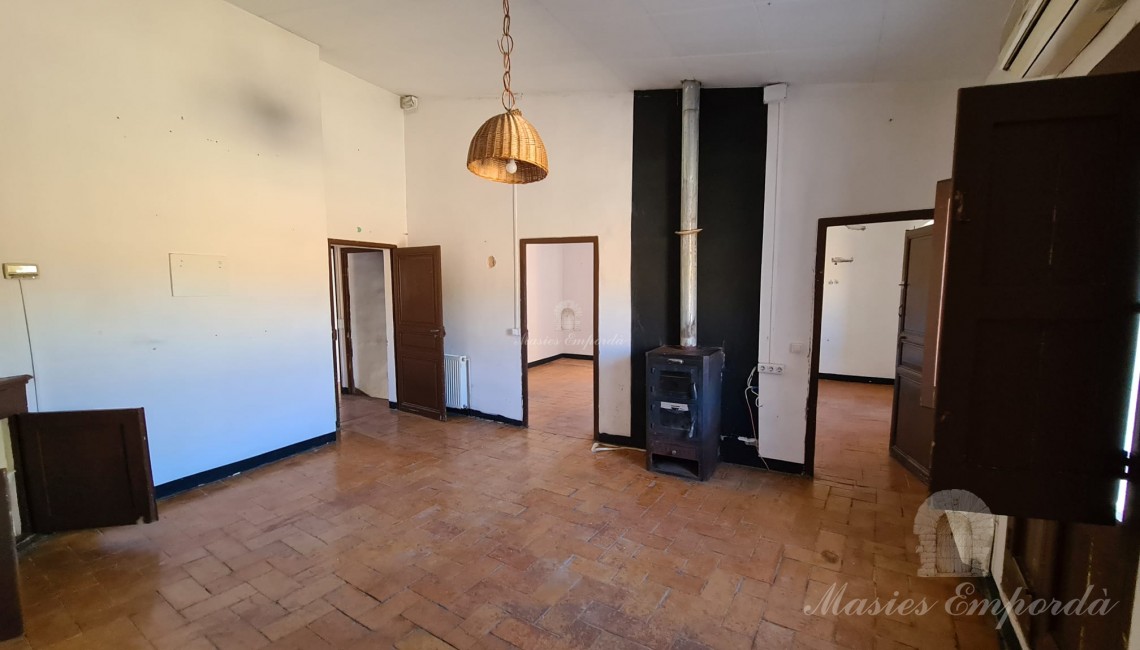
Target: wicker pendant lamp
point(507, 148)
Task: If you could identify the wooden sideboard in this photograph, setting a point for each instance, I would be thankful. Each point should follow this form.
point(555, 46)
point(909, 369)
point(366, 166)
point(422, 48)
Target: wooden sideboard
point(13, 401)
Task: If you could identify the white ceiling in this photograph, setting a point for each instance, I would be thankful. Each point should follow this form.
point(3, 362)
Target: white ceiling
point(448, 47)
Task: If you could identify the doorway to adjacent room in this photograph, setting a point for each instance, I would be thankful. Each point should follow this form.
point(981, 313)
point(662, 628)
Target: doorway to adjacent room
point(559, 310)
point(363, 343)
point(872, 279)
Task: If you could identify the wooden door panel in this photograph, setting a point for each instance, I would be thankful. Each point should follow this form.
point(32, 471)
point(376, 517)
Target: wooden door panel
point(85, 469)
point(917, 279)
point(912, 424)
point(419, 306)
point(418, 313)
point(912, 353)
point(1040, 304)
point(915, 423)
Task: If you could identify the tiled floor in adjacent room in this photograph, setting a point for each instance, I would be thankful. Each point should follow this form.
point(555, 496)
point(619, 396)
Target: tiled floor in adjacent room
point(418, 534)
point(561, 397)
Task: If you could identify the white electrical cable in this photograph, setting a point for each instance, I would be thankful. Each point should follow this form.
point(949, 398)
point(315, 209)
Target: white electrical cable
point(515, 252)
point(31, 353)
point(748, 387)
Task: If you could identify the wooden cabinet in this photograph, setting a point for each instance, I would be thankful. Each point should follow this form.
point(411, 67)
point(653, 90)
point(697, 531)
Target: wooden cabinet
point(13, 401)
point(74, 469)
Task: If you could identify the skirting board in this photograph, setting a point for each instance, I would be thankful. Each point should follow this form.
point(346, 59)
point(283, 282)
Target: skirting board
point(859, 379)
point(564, 355)
point(472, 413)
point(748, 460)
point(185, 483)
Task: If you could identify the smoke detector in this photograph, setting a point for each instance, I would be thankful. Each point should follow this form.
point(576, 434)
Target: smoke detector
point(408, 102)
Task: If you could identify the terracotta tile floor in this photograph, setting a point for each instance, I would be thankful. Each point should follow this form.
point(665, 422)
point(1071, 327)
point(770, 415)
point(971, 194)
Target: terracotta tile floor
point(561, 397)
point(411, 533)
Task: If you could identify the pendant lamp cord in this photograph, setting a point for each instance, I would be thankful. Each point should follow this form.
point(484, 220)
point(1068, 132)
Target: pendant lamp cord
point(506, 46)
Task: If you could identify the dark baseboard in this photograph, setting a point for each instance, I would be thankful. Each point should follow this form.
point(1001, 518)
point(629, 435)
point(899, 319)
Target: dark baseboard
point(784, 466)
point(185, 483)
point(859, 379)
point(920, 472)
point(472, 413)
point(564, 355)
point(1006, 633)
point(618, 441)
point(27, 541)
point(737, 453)
point(728, 454)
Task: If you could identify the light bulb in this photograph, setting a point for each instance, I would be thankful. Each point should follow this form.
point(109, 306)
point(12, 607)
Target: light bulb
point(512, 166)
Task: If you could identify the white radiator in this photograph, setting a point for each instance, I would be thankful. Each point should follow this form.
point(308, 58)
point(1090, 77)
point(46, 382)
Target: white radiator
point(455, 371)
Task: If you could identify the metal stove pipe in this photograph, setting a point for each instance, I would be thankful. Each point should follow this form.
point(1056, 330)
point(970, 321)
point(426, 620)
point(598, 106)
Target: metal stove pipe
point(690, 131)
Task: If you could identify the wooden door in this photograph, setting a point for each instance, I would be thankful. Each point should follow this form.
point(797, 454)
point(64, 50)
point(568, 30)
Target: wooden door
point(85, 469)
point(1041, 301)
point(912, 424)
point(417, 301)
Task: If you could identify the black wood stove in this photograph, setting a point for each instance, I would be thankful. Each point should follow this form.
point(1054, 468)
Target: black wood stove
point(683, 422)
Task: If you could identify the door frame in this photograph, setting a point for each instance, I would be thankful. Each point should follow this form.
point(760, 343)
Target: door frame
point(523, 322)
point(338, 250)
point(817, 310)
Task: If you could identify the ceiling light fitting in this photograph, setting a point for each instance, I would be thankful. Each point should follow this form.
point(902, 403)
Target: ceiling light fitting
point(507, 148)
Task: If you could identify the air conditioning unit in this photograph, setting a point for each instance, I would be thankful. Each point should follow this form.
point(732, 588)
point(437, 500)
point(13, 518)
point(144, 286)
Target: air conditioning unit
point(1051, 33)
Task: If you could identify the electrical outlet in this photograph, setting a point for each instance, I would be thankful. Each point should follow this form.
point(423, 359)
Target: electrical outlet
point(771, 368)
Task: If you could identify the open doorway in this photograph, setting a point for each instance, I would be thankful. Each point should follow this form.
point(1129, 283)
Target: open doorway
point(559, 309)
point(363, 343)
point(862, 353)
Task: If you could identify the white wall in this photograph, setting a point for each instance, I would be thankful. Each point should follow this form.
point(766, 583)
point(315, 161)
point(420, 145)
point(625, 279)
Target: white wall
point(559, 277)
point(578, 294)
point(133, 129)
point(544, 278)
point(835, 150)
point(365, 184)
point(588, 192)
point(860, 320)
point(366, 284)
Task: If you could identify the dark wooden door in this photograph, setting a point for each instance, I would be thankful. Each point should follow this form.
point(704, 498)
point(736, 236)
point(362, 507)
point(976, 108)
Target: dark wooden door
point(85, 469)
point(417, 302)
point(912, 424)
point(1040, 309)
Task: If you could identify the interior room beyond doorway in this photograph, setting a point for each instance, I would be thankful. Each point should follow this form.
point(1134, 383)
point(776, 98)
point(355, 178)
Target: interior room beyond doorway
point(559, 316)
point(362, 328)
